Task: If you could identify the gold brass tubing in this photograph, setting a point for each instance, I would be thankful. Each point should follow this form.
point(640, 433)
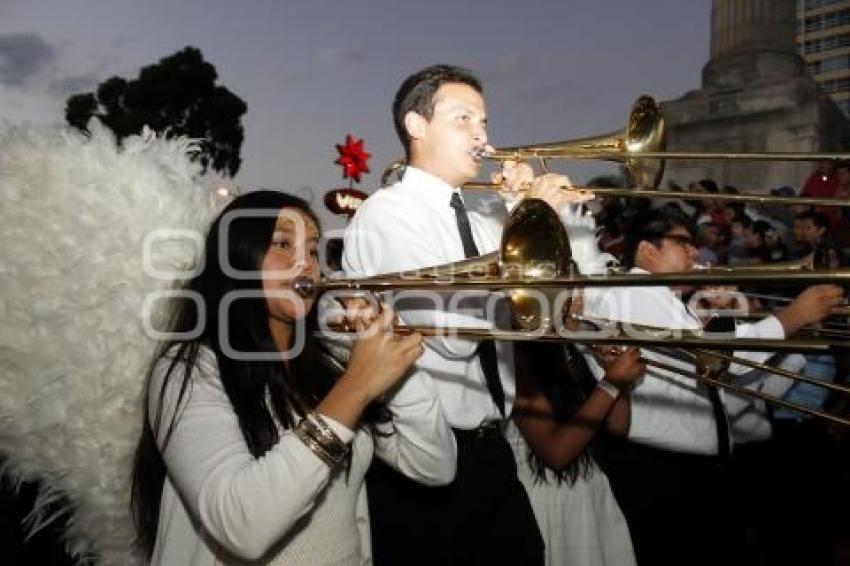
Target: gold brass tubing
point(741, 197)
point(695, 278)
point(777, 371)
point(750, 393)
point(839, 311)
point(682, 195)
point(593, 153)
point(834, 311)
point(826, 333)
point(808, 331)
point(524, 336)
point(744, 344)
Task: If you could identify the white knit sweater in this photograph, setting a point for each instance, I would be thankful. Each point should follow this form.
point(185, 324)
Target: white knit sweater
point(220, 505)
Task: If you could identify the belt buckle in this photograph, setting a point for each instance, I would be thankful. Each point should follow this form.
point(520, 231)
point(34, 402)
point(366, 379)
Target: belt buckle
point(489, 429)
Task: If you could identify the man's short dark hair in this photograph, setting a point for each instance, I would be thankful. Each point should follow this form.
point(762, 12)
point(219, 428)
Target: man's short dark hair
point(817, 217)
point(650, 226)
point(709, 185)
point(760, 227)
point(416, 94)
point(743, 219)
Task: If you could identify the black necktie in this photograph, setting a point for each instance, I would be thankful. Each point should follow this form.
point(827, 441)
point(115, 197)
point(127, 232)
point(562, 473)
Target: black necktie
point(720, 324)
point(486, 349)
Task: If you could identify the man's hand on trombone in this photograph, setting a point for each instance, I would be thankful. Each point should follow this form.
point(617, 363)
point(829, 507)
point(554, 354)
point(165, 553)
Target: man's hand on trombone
point(518, 182)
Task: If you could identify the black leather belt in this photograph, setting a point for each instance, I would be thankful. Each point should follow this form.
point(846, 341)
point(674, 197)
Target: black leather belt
point(489, 429)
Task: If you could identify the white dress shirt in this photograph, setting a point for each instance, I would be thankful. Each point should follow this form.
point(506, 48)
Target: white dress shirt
point(221, 505)
point(668, 410)
point(412, 225)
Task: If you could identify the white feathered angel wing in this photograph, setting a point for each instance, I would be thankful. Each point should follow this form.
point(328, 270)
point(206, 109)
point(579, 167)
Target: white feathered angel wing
point(76, 212)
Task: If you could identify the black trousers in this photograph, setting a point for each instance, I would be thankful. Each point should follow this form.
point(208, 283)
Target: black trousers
point(789, 490)
point(484, 517)
point(678, 506)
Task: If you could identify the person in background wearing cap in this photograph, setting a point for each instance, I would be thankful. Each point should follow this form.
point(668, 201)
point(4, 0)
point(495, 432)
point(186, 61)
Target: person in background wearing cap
point(823, 182)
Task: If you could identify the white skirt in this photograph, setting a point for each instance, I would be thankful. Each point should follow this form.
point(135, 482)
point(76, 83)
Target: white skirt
point(582, 525)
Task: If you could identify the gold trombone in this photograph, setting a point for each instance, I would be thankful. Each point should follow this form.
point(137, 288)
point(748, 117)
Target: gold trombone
point(801, 265)
point(535, 254)
point(534, 265)
point(641, 148)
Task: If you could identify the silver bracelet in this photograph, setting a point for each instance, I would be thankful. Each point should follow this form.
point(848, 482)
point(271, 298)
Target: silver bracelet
point(317, 423)
point(609, 388)
point(325, 429)
point(314, 446)
point(315, 427)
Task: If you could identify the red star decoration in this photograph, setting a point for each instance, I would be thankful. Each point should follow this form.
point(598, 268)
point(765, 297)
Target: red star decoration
point(352, 158)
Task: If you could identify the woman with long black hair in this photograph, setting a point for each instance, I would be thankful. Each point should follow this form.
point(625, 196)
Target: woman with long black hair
point(559, 410)
point(255, 443)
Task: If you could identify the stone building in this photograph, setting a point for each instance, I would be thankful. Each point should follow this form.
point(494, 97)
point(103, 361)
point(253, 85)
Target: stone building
point(823, 40)
point(755, 97)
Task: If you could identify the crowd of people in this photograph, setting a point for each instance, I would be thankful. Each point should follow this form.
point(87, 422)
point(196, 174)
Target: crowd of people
point(748, 505)
point(264, 443)
point(738, 233)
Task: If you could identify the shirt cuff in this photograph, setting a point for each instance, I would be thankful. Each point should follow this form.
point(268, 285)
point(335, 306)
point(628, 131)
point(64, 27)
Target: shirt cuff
point(770, 328)
point(343, 432)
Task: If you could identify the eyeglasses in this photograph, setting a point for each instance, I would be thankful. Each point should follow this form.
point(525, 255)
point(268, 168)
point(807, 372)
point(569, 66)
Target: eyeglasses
point(684, 241)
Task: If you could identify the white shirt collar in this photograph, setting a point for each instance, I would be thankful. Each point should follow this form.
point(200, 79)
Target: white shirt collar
point(436, 189)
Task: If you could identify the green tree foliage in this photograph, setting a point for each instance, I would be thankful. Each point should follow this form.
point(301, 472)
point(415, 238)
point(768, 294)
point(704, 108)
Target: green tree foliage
point(177, 95)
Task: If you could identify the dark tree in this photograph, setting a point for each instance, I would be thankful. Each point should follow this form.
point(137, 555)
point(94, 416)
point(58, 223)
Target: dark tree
point(177, 96)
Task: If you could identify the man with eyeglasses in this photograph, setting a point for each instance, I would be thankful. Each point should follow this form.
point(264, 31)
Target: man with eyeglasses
point(668, 474)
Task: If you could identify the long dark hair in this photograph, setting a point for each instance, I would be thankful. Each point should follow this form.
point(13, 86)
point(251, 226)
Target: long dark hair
point(292, 388)
point(564, 378)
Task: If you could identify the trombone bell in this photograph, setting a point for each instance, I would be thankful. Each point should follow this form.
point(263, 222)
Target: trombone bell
point(534, 245)
point(644, 133)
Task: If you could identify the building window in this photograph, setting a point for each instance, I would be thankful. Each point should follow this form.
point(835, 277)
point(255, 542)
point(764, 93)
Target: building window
point(825, 43)
point(827, 65)
point(835, 85)
point(813, 4)
point(812, 46)
point(827, 21)
point(835, 63)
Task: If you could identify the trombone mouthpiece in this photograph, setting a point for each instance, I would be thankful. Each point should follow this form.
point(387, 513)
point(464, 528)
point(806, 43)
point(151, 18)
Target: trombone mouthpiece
point(478, 152)
point(304, 287)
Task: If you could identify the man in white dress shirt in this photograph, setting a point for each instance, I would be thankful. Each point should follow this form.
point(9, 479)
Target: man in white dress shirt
point(668, 477)
point(485, 516)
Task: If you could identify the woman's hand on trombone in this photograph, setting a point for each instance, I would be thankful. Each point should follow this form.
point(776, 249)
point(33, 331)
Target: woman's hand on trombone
point(623, 365)
point(518, 181)
point(381, 357)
